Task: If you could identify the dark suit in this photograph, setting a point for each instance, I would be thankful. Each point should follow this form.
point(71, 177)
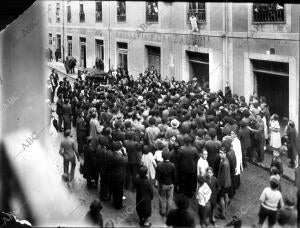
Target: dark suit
point(81, 131)
point(144, 196)
point(117, 165)
point(103, 157)
point(224, 178)
point(232, 162)
point(245, 139)
point(134, 159)
point(212, 148)
point(66, 110)
point(59, 111)
point(187, 167)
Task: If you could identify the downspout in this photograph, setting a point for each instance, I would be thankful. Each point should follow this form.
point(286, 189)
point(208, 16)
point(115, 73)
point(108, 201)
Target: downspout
point(108, 35)
point(63, 31)
point(226, 41)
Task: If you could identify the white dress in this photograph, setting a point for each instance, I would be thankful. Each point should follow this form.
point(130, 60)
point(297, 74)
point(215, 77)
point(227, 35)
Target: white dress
point(149, 161)
point(275, 140)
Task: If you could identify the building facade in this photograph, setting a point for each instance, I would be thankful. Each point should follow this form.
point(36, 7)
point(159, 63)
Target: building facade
point(255, 47)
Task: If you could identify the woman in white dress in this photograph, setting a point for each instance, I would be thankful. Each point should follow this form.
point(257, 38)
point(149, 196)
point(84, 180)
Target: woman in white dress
point(275, 139)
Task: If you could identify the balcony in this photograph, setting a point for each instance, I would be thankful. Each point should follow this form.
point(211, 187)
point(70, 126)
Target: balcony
point(152, 17)
point(268, 16)
point(121, 18)
point(200, 14)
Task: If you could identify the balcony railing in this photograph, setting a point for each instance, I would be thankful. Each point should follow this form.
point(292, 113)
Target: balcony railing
point(81, 17)
point(121, 18)
point(266, 15)
point(152, 17)
point(200, 14)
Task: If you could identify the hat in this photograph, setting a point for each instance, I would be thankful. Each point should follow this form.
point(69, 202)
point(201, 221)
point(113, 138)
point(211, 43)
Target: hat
point(140, 98)
point(275, 179)
point(175, 123)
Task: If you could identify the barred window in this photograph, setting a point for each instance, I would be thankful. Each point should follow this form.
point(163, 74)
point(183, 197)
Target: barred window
point(151, 11)
point(81, 14)
point(57, 12)
point(69, 14)
point(268, 13)
point(98, 11)
point(49, 13)
point(50, 38)
point(197, 9)
point(121, 11)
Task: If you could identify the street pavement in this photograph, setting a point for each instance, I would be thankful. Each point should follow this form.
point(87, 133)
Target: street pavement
point(245, 203)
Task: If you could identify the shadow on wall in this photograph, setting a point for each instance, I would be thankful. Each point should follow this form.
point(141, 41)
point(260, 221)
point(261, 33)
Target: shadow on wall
point(39, 196)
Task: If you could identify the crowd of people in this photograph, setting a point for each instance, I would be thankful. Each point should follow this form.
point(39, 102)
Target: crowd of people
point(186, 141)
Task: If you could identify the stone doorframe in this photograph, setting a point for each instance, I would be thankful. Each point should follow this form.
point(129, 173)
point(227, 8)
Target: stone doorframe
point(249, 80)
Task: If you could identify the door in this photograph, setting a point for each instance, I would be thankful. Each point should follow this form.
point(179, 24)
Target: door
point(276, 90)
point(58, 46)
point(154, 57)
point(83, 55)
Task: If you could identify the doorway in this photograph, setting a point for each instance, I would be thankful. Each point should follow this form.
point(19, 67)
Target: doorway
point(276, 90)
point(272, 82)
point(153, 54)
point(58, 45)
point(199, 67)
point(83, 52)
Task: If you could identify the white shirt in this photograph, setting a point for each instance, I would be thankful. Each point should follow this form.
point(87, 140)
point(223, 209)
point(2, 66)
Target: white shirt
point(236, 146)
point(158, 156)
point(203, 194)
point(202, 166)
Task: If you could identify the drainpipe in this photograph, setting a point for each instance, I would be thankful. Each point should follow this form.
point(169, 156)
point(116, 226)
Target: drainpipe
point(226, 41)
point(63, 31)
point(109, 35)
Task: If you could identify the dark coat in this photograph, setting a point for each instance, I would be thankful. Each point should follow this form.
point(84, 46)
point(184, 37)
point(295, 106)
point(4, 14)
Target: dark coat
point(224, 174)
point(133, 149)
point(244, 137)
point(232, 161)
point(212, 148)
point(90, 169)
point(187, 159)
point(214, 187)
point(117, 165)
point(59, 104)
point(81, 128)
point(180, 218)
point(292, 142)
point(165, 173)
point(144, 196)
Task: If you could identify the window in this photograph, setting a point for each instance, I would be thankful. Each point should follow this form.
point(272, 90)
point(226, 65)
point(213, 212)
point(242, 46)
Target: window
point(151, 11)
point(98, 11)
point(81, 14)
point(121, 11)
point(49, 13)
point(268, 13)
point(50, 38)
point(99, 49)
point(57, 12)
point(69, 39)
point(122, 49)
point(197, 9)
point(69, 14)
